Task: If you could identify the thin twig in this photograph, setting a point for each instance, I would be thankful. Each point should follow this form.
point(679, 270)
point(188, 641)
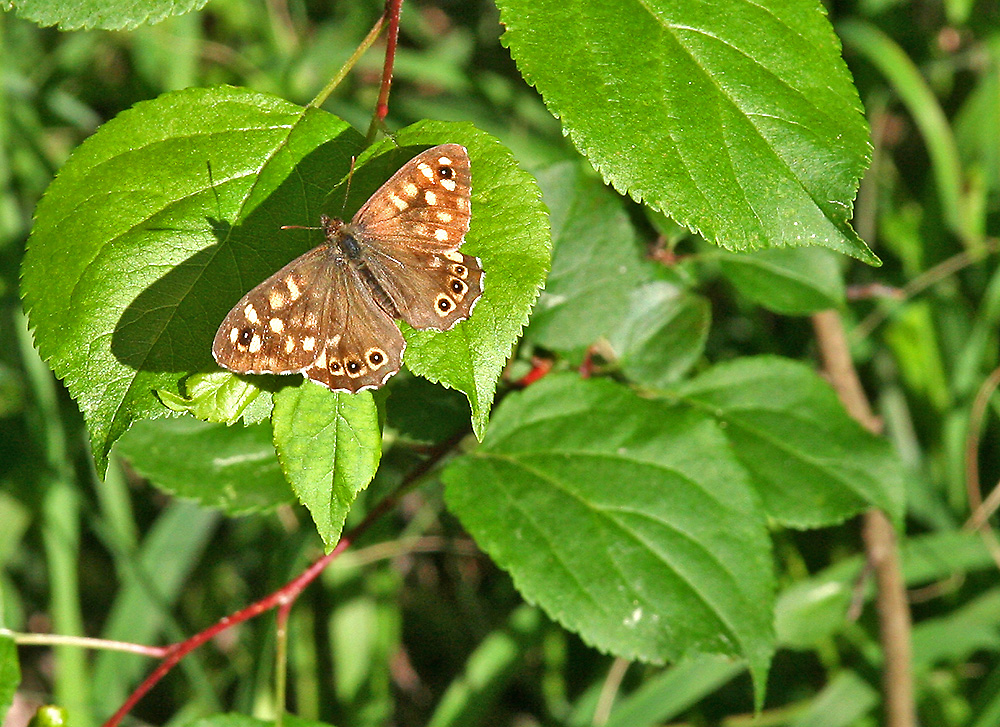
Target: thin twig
point(981, 509)
point(349, 64)
point(609, 690)
point(84, 642)
point(392, 11)
point(878, 533)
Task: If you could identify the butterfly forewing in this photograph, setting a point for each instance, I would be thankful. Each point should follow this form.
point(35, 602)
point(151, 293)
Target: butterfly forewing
point(425, 205)
point(268, 331)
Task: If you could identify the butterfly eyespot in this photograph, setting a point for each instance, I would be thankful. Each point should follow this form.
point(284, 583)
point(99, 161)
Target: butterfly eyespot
point(446, 172)
point(246, 335)
point(444, 304)
point(335, 366)
point(458, 287)
point(459, 270)
point(376, 357)
point(353, 368)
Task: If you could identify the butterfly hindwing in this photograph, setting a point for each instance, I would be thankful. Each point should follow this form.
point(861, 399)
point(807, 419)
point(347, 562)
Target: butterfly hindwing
point(360, 345)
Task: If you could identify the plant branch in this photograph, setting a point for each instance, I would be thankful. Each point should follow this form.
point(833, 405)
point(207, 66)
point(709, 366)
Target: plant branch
point(392, 11)
point(284, 597)
point(878, 533)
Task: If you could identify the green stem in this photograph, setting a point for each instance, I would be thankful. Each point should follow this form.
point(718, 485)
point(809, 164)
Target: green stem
point(367, 43)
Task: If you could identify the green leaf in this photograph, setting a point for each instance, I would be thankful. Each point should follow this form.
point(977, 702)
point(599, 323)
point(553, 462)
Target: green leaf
point(754, 139)
point(596, 261)
point(233, 469)
point(49, 715)
point(812, 463)
point(663, 334)
point(509, 232)
point(790, 282)
point(219, 397)
point(329, 446)
point(955, 637)
point(106, 14)
point(844, 702)
point(627, 520)
point(10, 674)
point(138, 250)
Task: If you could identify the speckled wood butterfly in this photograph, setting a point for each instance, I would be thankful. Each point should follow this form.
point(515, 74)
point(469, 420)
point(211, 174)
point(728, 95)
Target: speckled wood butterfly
point(329, 313)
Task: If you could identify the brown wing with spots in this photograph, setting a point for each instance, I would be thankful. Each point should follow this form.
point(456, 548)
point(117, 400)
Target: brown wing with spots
point(267, 331)
point(426, 205)
point(429, 290)
point(361, 346)
point(316, 318)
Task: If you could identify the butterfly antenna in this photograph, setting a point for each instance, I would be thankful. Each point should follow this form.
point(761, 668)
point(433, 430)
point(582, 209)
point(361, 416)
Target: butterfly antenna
point(347, 192)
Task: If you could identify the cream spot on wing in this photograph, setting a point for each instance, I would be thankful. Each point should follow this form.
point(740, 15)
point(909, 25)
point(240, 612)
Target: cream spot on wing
point(335, 341)
point(441, 234)
point(448, 184)
point(289, 344)
point(462, 203)
point(293, 287)
point(444, 216)
point(276, 298)
point(311, 320)
point(430, 197)
point(320, 362)
point(251, 313)
point(398, 202)
point(309, 343)
point(454, 256)
point(444, 160)
point(410, 189)
point(426, 170)
point(255, 343)
point(277, 325)
point(233, 335)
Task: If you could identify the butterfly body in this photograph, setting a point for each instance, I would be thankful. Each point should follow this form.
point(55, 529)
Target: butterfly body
point(329, 314)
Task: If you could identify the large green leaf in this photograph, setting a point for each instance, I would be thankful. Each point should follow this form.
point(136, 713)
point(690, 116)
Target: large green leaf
point(812, 463)
point(737, 118)
point(233, 469)
point(628, 520)
point(106, 14)
point(329, 446)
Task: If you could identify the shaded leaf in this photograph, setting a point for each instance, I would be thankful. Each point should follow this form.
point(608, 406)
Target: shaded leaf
point(596, 261)
point(663, 334)
point(219, 397)
point(10, 674)
point(233, 469)
point(790, 282)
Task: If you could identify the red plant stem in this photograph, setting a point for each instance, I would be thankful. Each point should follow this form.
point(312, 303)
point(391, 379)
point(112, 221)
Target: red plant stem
point(286, 595)
point(392, 11)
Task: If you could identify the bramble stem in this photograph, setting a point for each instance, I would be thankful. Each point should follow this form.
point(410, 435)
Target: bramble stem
point(392, 11)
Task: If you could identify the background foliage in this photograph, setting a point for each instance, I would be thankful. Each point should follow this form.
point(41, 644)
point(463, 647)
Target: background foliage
point(653, 532)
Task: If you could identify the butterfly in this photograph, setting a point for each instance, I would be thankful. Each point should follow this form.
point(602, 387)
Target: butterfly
point(329, 314)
